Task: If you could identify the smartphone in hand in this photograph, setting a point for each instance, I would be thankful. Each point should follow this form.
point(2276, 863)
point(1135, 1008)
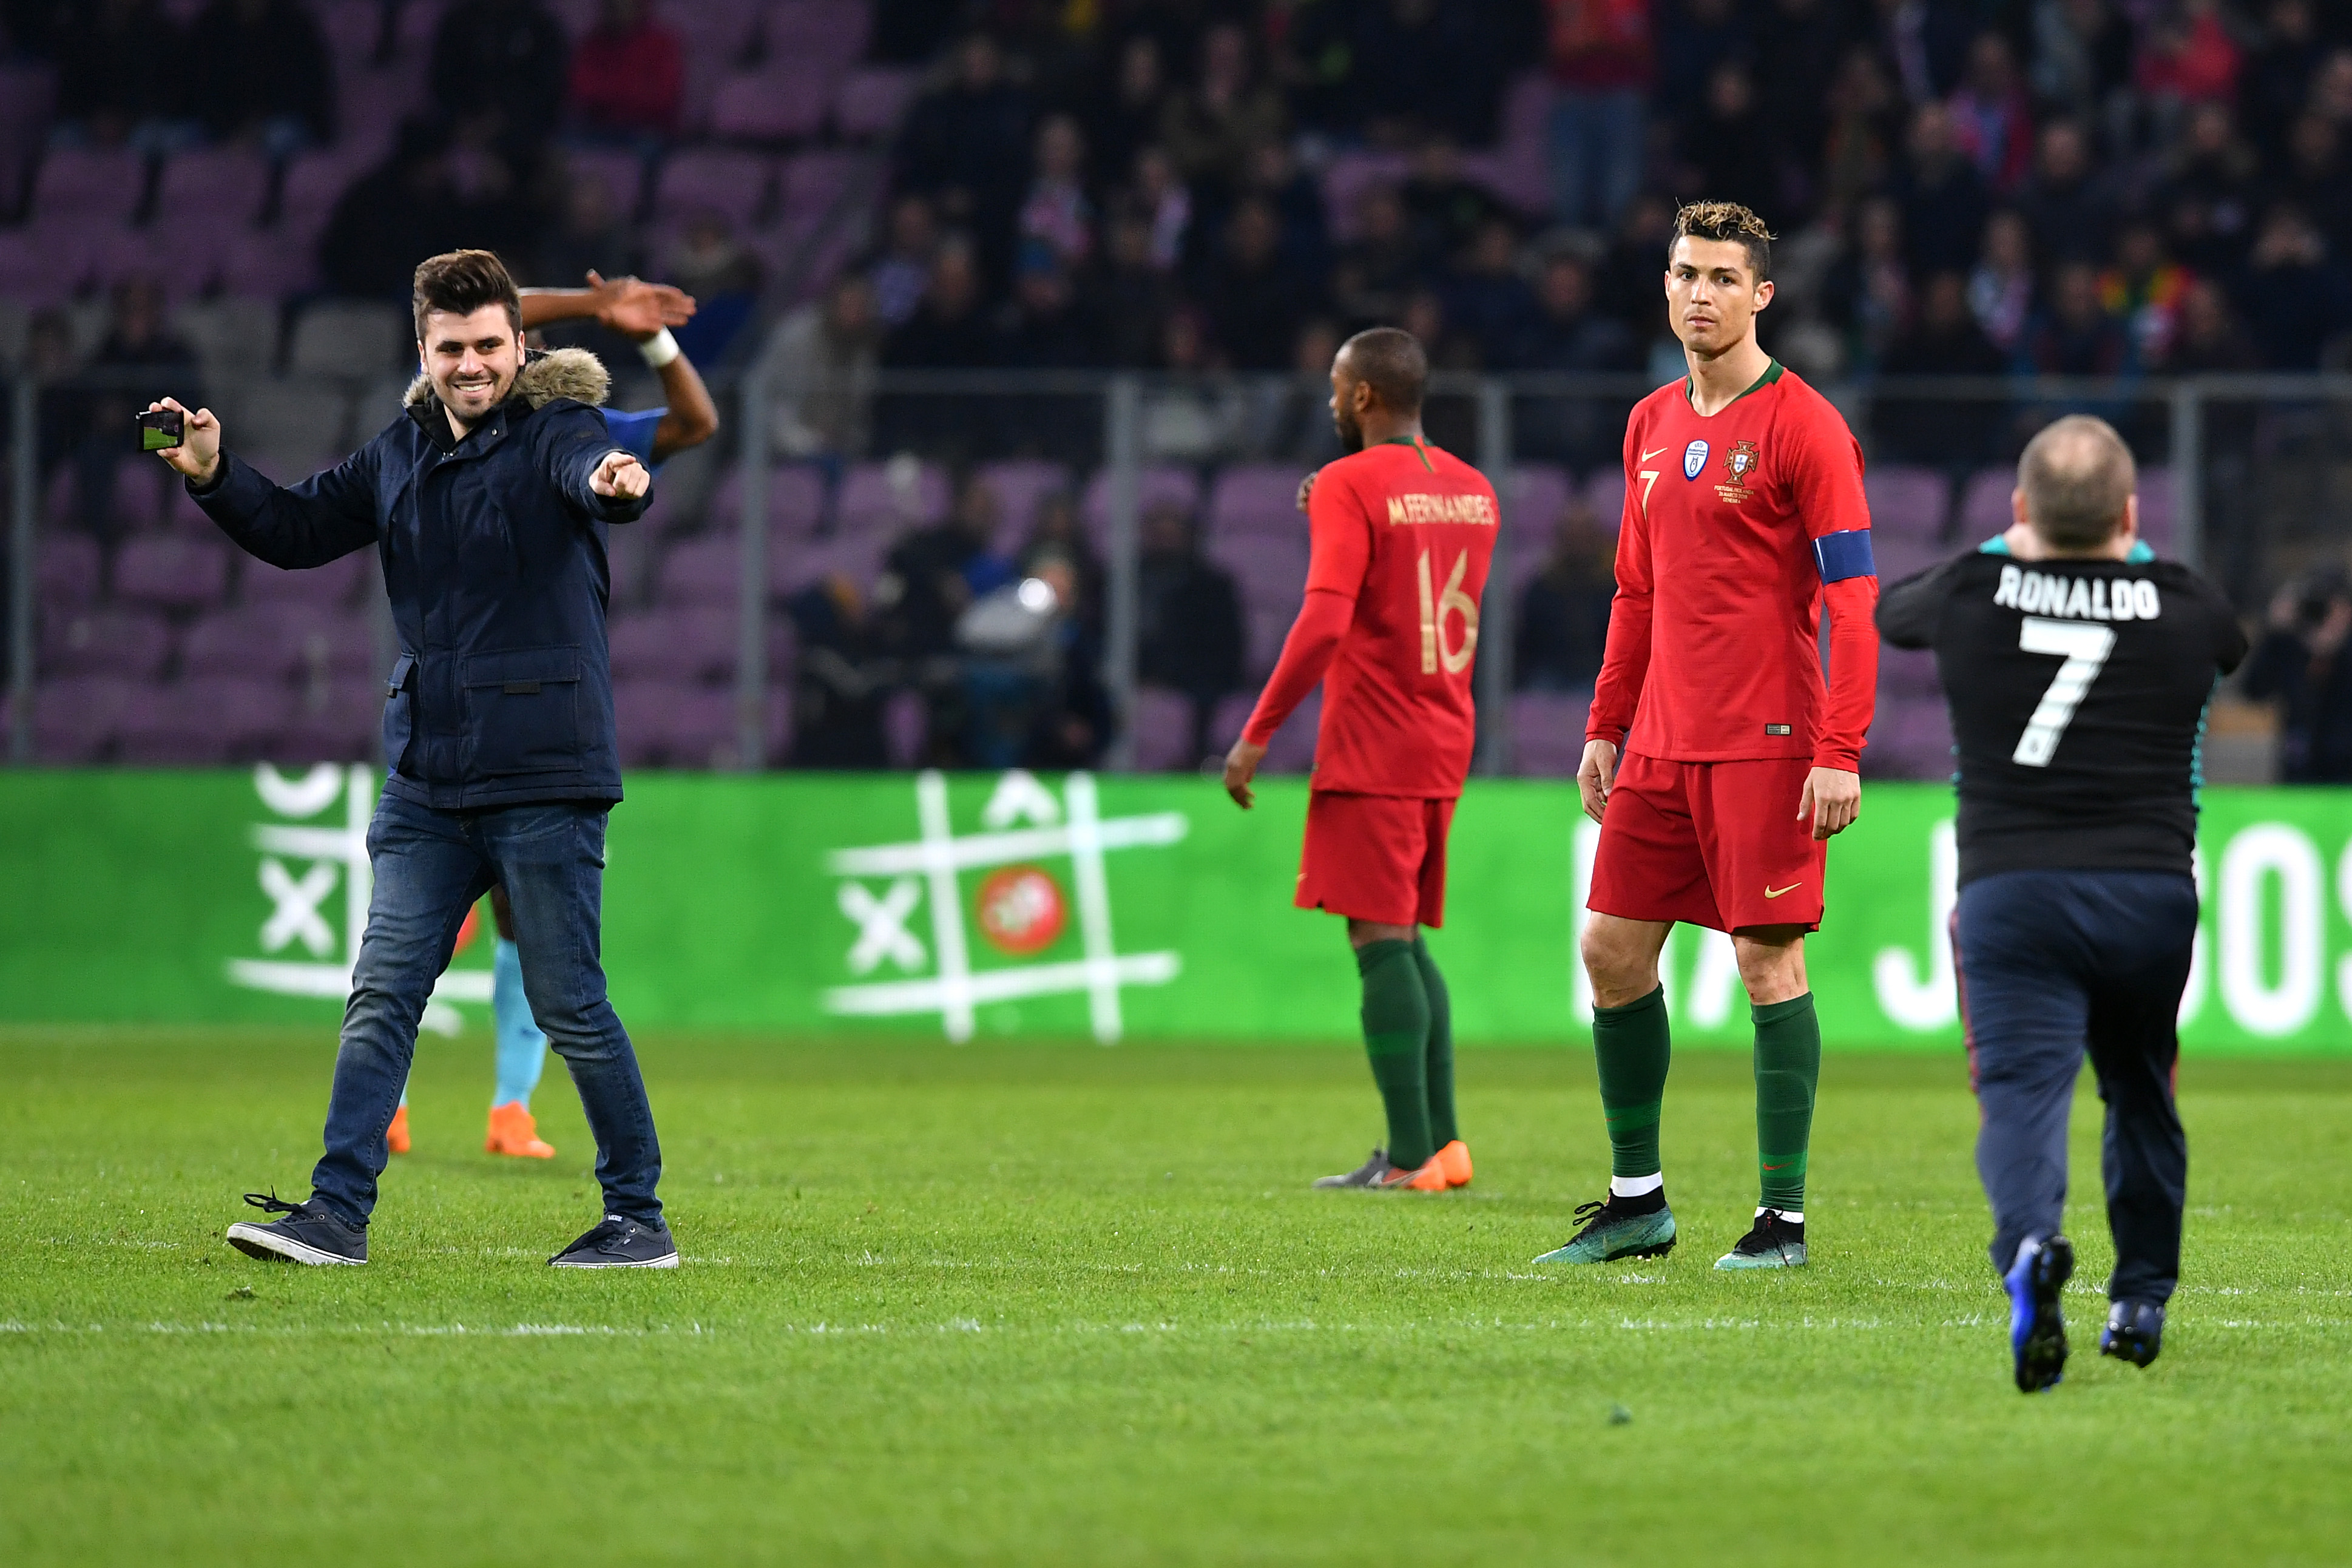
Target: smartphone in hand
point(161, 430)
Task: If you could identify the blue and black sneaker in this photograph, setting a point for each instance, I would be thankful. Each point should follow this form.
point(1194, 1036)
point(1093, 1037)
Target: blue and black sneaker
point(1619, 1226)
point(310, 1233)
point(618, 1243)
point(2037, 1330)
point(2134, 1331)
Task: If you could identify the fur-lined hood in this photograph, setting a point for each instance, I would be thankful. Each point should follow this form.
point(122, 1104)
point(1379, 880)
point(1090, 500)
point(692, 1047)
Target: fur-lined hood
point(575, 373)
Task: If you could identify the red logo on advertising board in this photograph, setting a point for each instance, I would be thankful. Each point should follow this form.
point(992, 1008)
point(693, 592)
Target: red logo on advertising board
point(1022, 911)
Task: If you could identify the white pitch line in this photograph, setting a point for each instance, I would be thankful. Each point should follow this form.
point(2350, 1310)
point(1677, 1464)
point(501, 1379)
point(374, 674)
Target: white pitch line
point(888, 997)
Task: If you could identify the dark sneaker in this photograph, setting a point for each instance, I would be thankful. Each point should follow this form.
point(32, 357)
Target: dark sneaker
point(309, 1233)
point(1619, 1228)
point(1775, 1241)
point(2134, 1331)
point(1375, 1171)
point(618, 1243)
point(2037, 1330)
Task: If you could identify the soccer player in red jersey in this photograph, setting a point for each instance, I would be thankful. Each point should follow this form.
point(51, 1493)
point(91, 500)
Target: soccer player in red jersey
point(1400, 533)
point(1744, 518)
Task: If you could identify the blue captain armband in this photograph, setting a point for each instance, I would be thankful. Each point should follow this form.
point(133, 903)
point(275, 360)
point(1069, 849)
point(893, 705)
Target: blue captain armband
point(1843, 554)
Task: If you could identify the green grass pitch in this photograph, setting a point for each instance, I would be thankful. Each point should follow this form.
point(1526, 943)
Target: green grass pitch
point(1043, 1305)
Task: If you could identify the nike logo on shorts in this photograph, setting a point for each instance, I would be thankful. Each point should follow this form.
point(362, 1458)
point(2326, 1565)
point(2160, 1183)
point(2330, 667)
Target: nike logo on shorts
point(1776, 892)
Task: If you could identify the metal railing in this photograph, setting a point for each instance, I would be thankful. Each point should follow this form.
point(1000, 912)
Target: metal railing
point(2255, 489)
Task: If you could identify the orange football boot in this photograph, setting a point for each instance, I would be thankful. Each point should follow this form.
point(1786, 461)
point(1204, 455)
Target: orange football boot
point(1430, 1177)
point(1456, 1159)
point(395, 1137)
point(512, 1131)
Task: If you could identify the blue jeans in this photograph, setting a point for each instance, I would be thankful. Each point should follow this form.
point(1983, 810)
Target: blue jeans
point(1597, 153)
point(2052, 964)
point(430, 867)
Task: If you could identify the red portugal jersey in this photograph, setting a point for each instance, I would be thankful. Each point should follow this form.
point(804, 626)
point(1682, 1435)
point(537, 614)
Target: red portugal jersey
point(1404, 531)
point(1738, 528)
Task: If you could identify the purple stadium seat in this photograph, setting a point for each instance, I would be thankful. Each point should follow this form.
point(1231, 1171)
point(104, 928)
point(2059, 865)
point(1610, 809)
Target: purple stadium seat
point(32, 272)
point(267, 264)
point(1548, 733)
point(98, 182)
point(2157, 508)
point(1984, 504)
point(74, 719)
point(1255, 498)
point(1905, 500)
point(335, 722)
point(786, 99)
point(1899, 555)
point(868, 499)
point(680, 645)
point(136, 497)
point(795, 498)
point(174, 571)
point(1536, 496)
point(1162, 723)
point(314, 184)
point(131, 644)
point(330, 586)
point(796, 561)
point(1604, 493)
point(198, 721)
point(1269, 569)
point(1021, 485)
point(829, 33)
point(1906, 673)
point(870, 101)
point(1345, 180)
point(66, 576)
point(1155, 484)
point(905, 728)
point(707, 570)
point(184, 263)
point(730, 183)
point(1910, 738)
point(701, 727)
point(229, 182)
point(259, 642)
point(814, 183)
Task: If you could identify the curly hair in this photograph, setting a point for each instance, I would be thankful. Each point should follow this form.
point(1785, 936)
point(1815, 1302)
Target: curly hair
point(1727, 220)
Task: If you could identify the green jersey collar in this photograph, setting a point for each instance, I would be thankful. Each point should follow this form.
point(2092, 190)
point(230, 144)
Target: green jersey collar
point(1771, 374)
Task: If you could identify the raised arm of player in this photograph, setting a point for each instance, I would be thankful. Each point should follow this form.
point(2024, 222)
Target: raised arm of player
point(1340, 549)
point(1910, 612)
point(1625, 658)
point(1827, 479)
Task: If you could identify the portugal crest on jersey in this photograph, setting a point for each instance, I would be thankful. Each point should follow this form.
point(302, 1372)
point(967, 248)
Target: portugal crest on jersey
point(1737, 464)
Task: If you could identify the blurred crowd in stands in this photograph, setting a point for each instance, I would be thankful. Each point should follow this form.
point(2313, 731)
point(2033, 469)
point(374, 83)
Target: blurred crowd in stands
point(230, 193)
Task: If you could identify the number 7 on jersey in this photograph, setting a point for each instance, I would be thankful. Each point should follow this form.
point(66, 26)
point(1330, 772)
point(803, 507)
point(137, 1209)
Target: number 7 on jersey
point(2085, 647)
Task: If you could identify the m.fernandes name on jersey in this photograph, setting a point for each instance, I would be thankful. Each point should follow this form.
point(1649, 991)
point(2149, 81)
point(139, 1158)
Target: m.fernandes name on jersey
point(1475, 509)
point(2078, 598)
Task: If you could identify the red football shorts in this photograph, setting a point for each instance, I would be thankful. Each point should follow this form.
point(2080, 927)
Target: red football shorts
point(1713, 844)
point(1378, 857)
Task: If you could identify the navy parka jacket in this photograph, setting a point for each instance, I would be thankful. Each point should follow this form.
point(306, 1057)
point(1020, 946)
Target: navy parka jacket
point(494, 557)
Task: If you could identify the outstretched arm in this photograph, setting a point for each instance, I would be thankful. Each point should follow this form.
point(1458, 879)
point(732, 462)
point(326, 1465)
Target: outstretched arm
point(628, 305)
point(325, 517)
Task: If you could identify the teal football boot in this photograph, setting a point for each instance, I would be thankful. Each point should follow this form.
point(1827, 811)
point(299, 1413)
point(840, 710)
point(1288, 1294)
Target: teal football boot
point(1775, 1242)
point(1613, 1230)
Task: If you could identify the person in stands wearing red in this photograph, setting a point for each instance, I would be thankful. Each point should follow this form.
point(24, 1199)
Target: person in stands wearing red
point(1401, 532)
point(628, 74)
point(1744, 518)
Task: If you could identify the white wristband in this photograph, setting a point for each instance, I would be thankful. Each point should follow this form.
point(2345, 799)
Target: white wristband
point(659, 348)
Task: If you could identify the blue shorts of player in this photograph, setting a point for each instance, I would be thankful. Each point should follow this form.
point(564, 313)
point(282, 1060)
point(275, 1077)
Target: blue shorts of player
point(2053, 963)
point(430, 867)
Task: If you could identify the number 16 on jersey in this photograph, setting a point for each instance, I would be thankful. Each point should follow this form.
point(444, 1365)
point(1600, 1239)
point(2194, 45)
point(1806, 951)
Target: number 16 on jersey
point(1434, 610)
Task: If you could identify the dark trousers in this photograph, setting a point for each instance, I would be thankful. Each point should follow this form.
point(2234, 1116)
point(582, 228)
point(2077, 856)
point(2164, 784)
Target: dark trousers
point(2051, 963)
point(430, 867)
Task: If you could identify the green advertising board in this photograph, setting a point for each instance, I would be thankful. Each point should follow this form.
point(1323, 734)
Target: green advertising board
point(1082, 907)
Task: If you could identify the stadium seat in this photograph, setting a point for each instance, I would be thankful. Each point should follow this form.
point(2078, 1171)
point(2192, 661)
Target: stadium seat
point(233, 335)
point(1255, 498)
point(74, 718)
point(333, 722)
point(214, 720)
point(732, 183)
point(283, 418)
point(227, 183)
point(870, 101)
point(1906, 501)
point(881, 495)
point(137, 493)
point(794, 562)
point(796, 499)
point(783, 101)
point(104, 183)
point(677, 645)
point(330, 586)
point(66, 575)
point(129, 643)
point(1022, 486)
point(1548, 733)
point(707, 570)
point(171, 571)
point(829, 33)
point(1984, 503)
point(350, 341)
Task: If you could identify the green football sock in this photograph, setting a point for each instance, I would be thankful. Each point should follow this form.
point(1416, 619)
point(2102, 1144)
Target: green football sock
point(1396, 1035)
point(1633, 1047)
point(1440, 1055)
point(1788, 1069)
